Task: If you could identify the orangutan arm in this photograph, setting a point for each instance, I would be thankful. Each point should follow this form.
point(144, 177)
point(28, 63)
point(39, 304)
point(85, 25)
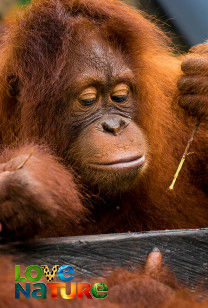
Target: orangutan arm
point(37, 195)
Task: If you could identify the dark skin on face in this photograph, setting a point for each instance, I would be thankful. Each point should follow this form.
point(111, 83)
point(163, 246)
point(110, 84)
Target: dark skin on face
point(102, 101)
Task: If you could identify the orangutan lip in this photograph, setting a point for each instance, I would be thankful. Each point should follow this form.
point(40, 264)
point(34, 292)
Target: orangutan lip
point(123, 163)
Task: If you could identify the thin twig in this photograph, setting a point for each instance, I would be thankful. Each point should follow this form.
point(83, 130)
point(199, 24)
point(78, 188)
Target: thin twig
point(26, 160)
point(171, 187)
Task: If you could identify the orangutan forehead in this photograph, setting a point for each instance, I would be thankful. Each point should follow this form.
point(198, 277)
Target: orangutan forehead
point(96, 55)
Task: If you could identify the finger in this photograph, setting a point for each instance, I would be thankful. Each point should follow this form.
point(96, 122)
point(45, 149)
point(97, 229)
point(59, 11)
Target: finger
point(200, 49)
point(154, 262)
point(193, 84)
point(195, 66)
point(195, 105)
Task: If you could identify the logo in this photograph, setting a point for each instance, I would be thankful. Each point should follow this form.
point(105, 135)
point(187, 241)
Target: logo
point(29, 286)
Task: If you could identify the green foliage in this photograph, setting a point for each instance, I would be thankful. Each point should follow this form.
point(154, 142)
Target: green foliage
point(23, 2)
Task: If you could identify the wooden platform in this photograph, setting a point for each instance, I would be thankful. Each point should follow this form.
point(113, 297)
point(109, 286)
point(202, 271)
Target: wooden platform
point(184, 251)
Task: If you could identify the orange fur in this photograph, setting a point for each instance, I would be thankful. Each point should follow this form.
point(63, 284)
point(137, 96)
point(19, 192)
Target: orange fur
point(35, 51)
point(25, 51)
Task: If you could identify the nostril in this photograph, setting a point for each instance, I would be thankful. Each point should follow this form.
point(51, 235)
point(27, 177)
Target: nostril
point(122, 123)
point(107, 128)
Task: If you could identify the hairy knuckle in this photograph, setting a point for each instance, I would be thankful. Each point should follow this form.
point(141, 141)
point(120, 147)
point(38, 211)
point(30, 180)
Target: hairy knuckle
point(180, 82)
point(182, 101)
point(184, 82)
point(196, 65)
point(186, 64)
point(200, 48)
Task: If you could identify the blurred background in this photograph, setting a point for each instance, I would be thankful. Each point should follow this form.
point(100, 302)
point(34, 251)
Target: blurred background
point(186, 21)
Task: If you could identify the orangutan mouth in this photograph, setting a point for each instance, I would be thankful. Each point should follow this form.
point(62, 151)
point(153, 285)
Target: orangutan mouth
point(129, 162)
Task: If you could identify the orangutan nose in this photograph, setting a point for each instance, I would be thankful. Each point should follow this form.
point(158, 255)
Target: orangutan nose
point(113, 124)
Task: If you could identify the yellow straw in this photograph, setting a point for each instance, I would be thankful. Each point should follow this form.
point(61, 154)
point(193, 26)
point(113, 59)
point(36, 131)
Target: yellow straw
point(171, 187)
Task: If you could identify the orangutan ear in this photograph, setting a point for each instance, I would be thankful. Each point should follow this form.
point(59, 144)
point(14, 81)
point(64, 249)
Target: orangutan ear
point(13, 85)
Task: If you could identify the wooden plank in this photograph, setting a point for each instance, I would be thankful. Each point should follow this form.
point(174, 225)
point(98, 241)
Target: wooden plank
point(184, 251)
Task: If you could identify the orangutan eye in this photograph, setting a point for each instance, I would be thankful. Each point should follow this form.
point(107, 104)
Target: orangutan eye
point(120, 93)
point(88, 97)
